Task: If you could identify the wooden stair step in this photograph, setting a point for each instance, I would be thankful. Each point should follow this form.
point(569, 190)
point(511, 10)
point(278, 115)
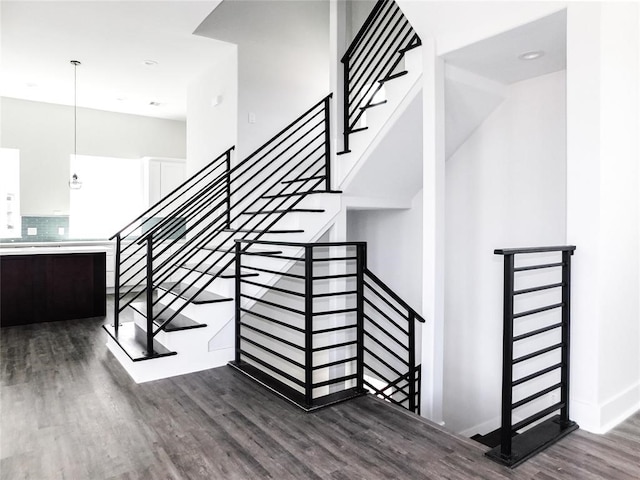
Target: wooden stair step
point(491, 439)
point(227, 273)
point(371, 105)
point(300, 210)
point(250, 230)
point(252, 251)
point(297, 194)
point(304, 179)
point(414, 44)
point(187, 291)
point(179, 322)
point(393, 76)
point(133, 341)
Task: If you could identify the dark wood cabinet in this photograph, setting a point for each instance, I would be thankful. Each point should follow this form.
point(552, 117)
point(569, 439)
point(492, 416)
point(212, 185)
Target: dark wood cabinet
point(47, 288)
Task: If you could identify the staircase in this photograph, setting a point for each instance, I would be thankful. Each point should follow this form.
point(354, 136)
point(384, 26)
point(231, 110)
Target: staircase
point(176, 270)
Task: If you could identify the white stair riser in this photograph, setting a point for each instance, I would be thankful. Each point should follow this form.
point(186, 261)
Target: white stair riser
point(195, 339)
point(173, 365)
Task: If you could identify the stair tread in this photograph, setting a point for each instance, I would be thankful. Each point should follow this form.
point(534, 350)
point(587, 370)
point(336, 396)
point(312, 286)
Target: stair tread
point(179, 322)
point(250, 230)
point(133, 341)
point(371, 105)
point(343, 152)
point(300, 193)
point(359, 129)
point(226, 273)
point(491, 439)
point(393, 76)
point(187, 291)
point(252, 251)
point(302, 210)
point(404, 50)
point(304, 179)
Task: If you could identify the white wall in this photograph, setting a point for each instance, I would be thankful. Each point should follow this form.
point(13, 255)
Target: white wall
point(212, 128)
point(357, 13)
point(602, 210)
point(505, 187)
point(283, 61)
point(394, 246)
point(43, 133)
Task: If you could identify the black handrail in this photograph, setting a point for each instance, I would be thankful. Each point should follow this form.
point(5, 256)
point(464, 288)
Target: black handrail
point(384, 38)
point(393, 294)
point(513, 450)
point(190, 181)
point(293, 163)
point(126, 259)
point(374, 352)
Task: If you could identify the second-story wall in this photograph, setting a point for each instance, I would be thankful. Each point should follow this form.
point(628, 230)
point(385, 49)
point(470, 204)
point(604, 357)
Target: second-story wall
point(282, 63)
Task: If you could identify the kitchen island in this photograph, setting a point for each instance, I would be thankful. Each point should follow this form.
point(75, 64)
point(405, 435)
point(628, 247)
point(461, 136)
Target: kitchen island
point(51, 282)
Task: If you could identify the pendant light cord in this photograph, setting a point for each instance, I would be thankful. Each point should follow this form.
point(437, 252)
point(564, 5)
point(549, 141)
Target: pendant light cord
point(75, 110)
point(75, 64)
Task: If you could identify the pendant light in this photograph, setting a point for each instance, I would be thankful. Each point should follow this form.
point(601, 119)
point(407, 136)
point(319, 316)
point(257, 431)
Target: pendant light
point(74, 183)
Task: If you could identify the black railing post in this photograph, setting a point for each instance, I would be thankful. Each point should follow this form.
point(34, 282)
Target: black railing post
point(419, 382)
point(228, 182)
point(327, 142)
point(345, 106)
point(507, 357)
point(150, 326)
point(116, 292)
point(566, 318)
point(238, 267)
point(308, 324)
point(361, 264)
point(412, 360)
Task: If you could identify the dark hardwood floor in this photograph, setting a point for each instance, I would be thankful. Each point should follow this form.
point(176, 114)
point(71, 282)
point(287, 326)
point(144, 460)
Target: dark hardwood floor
point(69, 411)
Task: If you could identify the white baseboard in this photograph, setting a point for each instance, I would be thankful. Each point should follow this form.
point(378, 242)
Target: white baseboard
point(600, 418)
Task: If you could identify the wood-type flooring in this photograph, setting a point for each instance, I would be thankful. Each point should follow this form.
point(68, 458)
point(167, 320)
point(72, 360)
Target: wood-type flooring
point(69, 411)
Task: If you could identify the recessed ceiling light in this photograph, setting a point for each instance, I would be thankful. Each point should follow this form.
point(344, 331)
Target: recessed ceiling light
point(154, 104)
point(149, 63)
point(31, 84)
point(121, 99)
point(533, 55)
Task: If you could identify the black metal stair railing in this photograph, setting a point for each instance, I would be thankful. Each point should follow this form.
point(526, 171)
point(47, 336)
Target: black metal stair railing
point(373, 58)
point(166, 218)
point(390, 366)
point(536, 341)
point(244, 201)
point(324, 328)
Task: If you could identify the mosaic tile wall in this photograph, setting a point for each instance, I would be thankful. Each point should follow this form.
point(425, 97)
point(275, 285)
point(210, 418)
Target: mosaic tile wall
point(47, 228)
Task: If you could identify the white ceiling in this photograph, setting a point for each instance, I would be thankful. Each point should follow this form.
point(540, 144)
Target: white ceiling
point(111, 39)
point(496, 58)
point(477, 75)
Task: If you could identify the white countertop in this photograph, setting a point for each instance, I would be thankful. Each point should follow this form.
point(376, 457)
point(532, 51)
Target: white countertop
point(48, 248)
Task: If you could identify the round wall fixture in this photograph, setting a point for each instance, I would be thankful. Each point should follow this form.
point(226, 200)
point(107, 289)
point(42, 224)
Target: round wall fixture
point(149, 63)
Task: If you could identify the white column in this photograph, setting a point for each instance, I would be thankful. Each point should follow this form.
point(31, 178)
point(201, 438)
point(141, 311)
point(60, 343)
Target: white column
point(433, 233)
point(602, 211)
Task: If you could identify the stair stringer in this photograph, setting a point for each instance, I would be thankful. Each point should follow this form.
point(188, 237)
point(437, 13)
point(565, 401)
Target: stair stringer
point(399, 93)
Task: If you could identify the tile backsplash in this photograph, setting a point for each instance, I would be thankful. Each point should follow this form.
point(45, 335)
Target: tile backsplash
point(45, 228)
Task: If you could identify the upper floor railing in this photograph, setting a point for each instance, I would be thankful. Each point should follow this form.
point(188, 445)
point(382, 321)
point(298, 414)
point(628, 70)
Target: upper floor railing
point(374, 57)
